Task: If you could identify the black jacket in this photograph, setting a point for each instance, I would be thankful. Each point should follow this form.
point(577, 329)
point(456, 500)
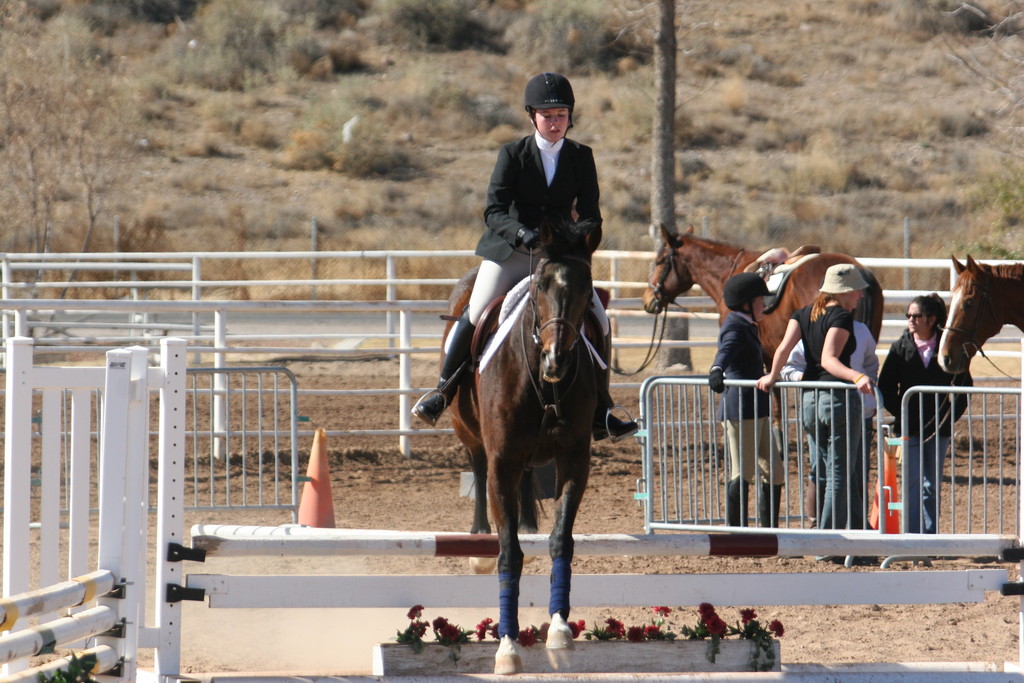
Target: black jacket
point(740, 356)
point(902, 370)
point(518, 194)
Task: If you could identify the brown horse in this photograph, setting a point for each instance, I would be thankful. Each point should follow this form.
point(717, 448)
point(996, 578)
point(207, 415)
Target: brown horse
point(532, 402)
point(687, 259)
point(984, 299)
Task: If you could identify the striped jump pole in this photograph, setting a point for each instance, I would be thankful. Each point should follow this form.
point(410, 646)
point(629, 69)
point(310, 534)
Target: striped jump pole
point(224, 540)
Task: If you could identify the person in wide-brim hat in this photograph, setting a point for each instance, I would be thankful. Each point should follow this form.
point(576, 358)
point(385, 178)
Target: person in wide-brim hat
point(832, 418)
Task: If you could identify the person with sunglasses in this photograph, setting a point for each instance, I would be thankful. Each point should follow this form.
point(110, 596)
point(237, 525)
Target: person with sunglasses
point(927, 426)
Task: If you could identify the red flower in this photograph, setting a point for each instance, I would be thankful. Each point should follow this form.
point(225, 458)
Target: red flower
point(705, 608)
point(482, 627)
point(577, 627)
point(415, 613)
point(615, 628)
point(776, 628)
point(716, 625)
point(748, 615)
point(635, 634)
point(652, 632)
point(662, 611)
point(527, 637)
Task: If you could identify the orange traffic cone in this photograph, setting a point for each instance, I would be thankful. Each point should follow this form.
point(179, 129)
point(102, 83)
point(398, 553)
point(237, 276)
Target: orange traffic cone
point(888, 490)
point(316, 507)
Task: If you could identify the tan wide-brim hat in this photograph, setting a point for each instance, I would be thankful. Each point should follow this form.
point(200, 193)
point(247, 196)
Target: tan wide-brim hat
point(842, 278)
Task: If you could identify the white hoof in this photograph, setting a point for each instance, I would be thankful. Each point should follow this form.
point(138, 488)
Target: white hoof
point(507, 660)
point(559, 634)
point(483, 565)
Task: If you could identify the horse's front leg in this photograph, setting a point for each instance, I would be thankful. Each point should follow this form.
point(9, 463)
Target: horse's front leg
point(503, 485)
point(562, 548)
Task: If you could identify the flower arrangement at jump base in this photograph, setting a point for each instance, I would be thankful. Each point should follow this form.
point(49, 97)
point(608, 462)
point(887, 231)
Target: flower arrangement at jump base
point(710, 626)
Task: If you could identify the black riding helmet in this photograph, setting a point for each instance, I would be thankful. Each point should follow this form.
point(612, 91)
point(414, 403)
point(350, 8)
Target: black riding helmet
point(741, 289)
point(549, 91)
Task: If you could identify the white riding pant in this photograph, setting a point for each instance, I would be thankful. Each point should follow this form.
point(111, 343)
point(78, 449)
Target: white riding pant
point(494, 279)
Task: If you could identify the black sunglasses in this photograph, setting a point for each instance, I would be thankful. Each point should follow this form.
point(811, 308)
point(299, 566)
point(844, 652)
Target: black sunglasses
point(915, 316)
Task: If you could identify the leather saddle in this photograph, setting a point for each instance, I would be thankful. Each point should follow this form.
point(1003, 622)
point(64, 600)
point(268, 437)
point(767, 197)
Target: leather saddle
point(775, 266)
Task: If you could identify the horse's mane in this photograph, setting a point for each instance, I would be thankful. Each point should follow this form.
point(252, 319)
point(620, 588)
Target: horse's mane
point(1008, 271)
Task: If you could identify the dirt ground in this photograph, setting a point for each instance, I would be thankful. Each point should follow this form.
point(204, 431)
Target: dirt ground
point(375, 487)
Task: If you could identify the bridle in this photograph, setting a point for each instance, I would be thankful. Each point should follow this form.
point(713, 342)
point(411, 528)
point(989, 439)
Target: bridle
point(972, 339)
point(538, 327)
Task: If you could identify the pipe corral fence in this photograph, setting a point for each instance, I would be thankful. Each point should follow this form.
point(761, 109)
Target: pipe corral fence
point(77, 302)
point(66, 594)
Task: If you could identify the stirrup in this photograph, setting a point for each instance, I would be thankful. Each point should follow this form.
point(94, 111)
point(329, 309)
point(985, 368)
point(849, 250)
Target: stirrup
point(431, 406)
point(603, 428)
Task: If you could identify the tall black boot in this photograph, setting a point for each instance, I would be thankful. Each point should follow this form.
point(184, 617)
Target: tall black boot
point(736, 502)
point(768, 506)
point(605, 423)
point(432, 405)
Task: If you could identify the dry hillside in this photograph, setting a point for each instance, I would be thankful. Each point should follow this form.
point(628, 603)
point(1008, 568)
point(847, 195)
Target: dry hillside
point(218, 124)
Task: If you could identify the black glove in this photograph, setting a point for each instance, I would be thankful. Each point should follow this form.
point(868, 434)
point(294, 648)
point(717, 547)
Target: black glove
point(528, 237)
point(716, 379)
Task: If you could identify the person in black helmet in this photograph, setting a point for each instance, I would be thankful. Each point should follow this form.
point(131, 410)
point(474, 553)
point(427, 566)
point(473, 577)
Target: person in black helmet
point(542, 174)
point(744, 410)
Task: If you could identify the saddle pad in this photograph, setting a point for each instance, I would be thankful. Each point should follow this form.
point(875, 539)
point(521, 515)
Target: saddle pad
point(514, 302)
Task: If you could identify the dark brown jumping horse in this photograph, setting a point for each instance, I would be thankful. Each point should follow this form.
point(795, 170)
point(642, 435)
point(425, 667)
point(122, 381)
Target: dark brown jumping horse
point(685, 259)
point(983, 299)
point(532, 402)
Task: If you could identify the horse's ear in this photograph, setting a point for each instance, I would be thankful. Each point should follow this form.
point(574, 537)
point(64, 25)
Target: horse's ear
point(957, 266)
point(593, 239)
point(689, 229)
point(971, 263)
point(671, 238)
point(545, 231)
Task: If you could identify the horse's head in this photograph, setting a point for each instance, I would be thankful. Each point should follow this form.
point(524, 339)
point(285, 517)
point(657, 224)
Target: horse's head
point(971, 320)
point(669, 275)
point(562, 291)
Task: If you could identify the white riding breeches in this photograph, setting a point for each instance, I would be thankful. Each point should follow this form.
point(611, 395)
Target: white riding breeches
point(494, 279)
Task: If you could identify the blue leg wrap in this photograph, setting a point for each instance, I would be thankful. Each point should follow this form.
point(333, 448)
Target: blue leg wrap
point(561, 578)
point(508, 606)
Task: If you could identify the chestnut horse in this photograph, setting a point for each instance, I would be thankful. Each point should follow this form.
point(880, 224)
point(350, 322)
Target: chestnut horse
point(983, 299)
point(534, 401)
point(687, 259)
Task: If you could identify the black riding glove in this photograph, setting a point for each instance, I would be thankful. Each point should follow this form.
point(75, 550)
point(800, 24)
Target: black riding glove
point(716, 379)
point(528, 237)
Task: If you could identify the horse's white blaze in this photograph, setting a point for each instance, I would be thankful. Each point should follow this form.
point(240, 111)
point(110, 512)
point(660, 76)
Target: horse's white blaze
point(507, 659)
point(559, 634)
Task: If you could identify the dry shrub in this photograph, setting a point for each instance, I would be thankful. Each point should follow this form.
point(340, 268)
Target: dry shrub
point(237, 44)
point(206, 143)
point(196, 178)
point(307, 150)
point(259, 132)
point(447, 24)
point(821, 168)
point(326, 13)
point(574, 36)
point(371, 153)
point(932, 17)
point(733, 94)
point(961, 124)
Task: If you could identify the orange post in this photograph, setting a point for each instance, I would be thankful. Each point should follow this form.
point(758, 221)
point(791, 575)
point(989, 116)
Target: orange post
point(316, 508)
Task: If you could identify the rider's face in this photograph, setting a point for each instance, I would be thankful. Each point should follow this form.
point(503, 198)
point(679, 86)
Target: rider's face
point(552, 124)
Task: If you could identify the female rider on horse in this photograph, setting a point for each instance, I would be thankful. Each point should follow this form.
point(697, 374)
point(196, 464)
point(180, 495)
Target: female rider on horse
point(539, 175)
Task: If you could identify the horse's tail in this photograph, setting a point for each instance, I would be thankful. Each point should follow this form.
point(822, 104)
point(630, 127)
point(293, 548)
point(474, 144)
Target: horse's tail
point(869, 310)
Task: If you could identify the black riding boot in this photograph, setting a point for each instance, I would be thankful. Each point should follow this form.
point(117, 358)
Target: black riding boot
point(605, 423)
point(432, 405)
point(736, 502)
point(768, 506)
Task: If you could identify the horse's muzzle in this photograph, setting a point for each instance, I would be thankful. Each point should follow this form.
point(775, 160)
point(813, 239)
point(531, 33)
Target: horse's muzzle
point(553, 366)
point(652, 304)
